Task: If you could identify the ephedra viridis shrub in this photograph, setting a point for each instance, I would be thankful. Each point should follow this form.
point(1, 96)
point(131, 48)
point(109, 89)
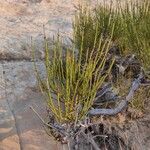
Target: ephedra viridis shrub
point(131, 21)
point(131, 34)
point(71, 84)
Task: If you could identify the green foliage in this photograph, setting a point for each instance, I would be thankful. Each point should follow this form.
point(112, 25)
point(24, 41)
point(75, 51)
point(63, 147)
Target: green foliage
point(93, 24)
point(74, 76)
point(71, 85)
point(131, 23)
point(136, 18)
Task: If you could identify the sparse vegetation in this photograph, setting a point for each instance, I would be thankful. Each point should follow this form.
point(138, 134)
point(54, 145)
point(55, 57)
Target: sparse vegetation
point(140, 99)
point(136, 18)
point(75, 75)
point(131, 27)
point(71, 85)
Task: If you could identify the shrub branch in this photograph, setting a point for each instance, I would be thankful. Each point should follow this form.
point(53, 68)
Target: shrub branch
point(123, 104)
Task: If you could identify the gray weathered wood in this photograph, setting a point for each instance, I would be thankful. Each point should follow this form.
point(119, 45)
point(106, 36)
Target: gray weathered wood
point(123, 104)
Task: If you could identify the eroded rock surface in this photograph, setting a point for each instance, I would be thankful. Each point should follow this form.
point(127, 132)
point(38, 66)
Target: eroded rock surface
point(22, 19)
point(19, 127)
point(19, 20)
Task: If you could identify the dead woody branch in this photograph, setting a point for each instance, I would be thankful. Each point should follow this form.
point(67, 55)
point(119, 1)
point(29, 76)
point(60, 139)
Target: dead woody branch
point(123, 104)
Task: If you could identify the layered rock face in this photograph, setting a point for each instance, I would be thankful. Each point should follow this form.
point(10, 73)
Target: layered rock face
point(19, 21)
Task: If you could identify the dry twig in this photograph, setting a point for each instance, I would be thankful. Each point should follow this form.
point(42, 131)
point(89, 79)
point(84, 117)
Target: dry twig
point(123, 104)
